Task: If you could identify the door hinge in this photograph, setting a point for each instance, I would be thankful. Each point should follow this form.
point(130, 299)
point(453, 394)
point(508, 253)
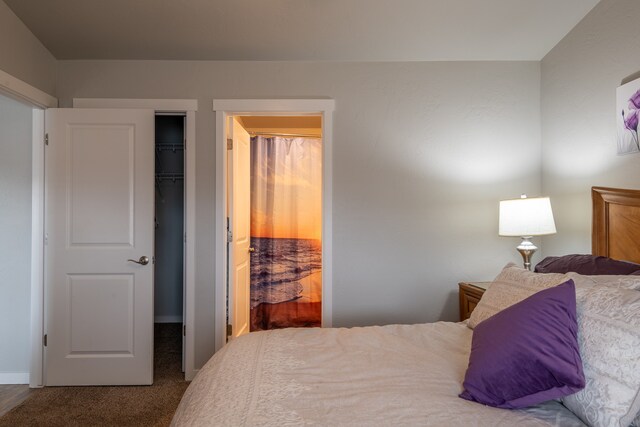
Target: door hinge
point(185, 237)
point(229, 330)
point(46, 139)
point(44, 340)
point(153, 260)
point(184, 330)
point(229, 144)
point(229, 236)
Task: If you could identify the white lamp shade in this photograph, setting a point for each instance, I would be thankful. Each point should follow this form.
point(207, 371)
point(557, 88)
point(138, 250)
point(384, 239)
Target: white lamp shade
point(526, 217)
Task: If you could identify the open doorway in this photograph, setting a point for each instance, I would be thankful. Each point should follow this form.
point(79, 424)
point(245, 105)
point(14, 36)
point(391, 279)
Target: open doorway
point(285, 221)
point(169, 237)
point(180, 111)
point(232, 317)
point(16, 120)
point(275, 222)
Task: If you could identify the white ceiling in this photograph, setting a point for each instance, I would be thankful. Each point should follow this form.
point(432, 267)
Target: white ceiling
point(340, 30)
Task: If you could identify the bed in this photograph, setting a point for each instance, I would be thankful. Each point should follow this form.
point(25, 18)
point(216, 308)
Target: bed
point(386, 375)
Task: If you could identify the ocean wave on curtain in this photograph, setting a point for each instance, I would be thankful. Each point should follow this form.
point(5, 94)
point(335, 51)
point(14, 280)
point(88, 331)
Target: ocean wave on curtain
point(286, 225)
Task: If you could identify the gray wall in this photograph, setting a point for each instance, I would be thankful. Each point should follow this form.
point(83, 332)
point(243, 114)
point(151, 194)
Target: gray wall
point(22, 55)
point(579, 80)
point(15, 235)
point(422, 154)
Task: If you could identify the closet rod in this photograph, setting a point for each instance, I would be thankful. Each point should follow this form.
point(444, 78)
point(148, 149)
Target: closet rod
point(286, 135)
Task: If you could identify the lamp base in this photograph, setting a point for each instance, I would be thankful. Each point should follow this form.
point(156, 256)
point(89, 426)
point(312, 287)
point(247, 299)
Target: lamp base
point(526, 249)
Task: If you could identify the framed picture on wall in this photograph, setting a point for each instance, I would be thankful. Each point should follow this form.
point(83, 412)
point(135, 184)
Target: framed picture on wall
point(628, 115)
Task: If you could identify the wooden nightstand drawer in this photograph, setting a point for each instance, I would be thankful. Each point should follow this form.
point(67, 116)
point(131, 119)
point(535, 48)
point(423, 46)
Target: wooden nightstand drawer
point(470, 294)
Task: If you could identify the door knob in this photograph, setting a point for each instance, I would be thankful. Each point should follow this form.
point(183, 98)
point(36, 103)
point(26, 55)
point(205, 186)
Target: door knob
point(252, 249)
point(144, 260)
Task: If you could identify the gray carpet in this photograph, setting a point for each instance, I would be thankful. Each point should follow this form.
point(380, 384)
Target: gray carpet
point(112, 406)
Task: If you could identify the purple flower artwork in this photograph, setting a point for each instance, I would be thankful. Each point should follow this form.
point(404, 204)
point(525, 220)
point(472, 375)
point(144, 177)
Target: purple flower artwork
point(628, 101)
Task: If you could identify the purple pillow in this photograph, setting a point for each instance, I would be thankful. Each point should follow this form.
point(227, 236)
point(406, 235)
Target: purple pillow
point(527, 353)
point(588, 265)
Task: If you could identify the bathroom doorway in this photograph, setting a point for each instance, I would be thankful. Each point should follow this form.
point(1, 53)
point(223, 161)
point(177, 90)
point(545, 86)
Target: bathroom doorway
point(227, 323)
point(286, 221)
point(275, 220)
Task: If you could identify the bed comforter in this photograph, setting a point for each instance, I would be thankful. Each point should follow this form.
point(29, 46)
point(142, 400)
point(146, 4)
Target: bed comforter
point(372, 376)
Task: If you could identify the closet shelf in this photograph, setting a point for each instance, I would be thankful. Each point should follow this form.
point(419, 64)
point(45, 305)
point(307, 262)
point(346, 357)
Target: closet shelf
point(163, 176)
point(169, 147)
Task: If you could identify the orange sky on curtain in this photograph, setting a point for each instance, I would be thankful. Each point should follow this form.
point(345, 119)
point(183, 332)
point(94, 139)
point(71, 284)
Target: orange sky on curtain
point(297, 192)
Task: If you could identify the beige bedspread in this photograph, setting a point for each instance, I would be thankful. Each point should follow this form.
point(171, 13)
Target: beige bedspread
point(373, 376)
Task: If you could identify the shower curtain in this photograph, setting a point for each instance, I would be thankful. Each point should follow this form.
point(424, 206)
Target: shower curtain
point(286, 224)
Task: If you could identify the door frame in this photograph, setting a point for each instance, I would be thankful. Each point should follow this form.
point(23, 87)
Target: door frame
point(36, 372)
point(188, 107)
point(270, 107)
point(25, 93)
point(39, 100)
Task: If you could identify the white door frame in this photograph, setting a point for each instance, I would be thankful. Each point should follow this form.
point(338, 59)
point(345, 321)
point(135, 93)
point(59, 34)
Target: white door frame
point(25, 93)
point(39, 101)
point(272, 107)
point(36, 371)
point(188, 107)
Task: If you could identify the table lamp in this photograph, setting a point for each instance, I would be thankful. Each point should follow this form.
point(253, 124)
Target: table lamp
point(525, 218)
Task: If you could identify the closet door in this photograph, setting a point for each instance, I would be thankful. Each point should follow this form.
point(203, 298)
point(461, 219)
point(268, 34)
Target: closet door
point(99, 199)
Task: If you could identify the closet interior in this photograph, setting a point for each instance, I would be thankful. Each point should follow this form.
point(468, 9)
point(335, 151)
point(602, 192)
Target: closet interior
point(169, 226)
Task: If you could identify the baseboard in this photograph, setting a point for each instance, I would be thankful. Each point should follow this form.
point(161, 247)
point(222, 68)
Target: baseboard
point(191, 375)
point(168, 319)
point(14, 377)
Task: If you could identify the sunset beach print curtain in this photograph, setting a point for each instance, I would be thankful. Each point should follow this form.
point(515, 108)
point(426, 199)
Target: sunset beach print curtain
point(286, 225)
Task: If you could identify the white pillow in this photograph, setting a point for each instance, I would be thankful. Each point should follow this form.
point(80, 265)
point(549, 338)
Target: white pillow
point(618, 281)
point(511, 286)
point(609, 339)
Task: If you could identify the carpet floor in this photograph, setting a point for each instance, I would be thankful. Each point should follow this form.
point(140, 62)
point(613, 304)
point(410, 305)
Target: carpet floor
point(112, 406)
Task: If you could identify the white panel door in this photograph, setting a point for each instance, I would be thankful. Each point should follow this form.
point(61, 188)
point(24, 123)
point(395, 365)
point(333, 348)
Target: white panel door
point(241, 229)
point(99, 197)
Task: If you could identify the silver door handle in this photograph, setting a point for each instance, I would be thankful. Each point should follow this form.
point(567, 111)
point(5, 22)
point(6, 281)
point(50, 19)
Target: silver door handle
point(144, 260)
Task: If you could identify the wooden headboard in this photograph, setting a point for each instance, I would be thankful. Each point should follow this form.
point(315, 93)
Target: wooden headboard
point(616, 223)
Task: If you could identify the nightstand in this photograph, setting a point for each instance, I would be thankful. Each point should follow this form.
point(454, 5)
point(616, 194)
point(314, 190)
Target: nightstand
point(470, 294)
